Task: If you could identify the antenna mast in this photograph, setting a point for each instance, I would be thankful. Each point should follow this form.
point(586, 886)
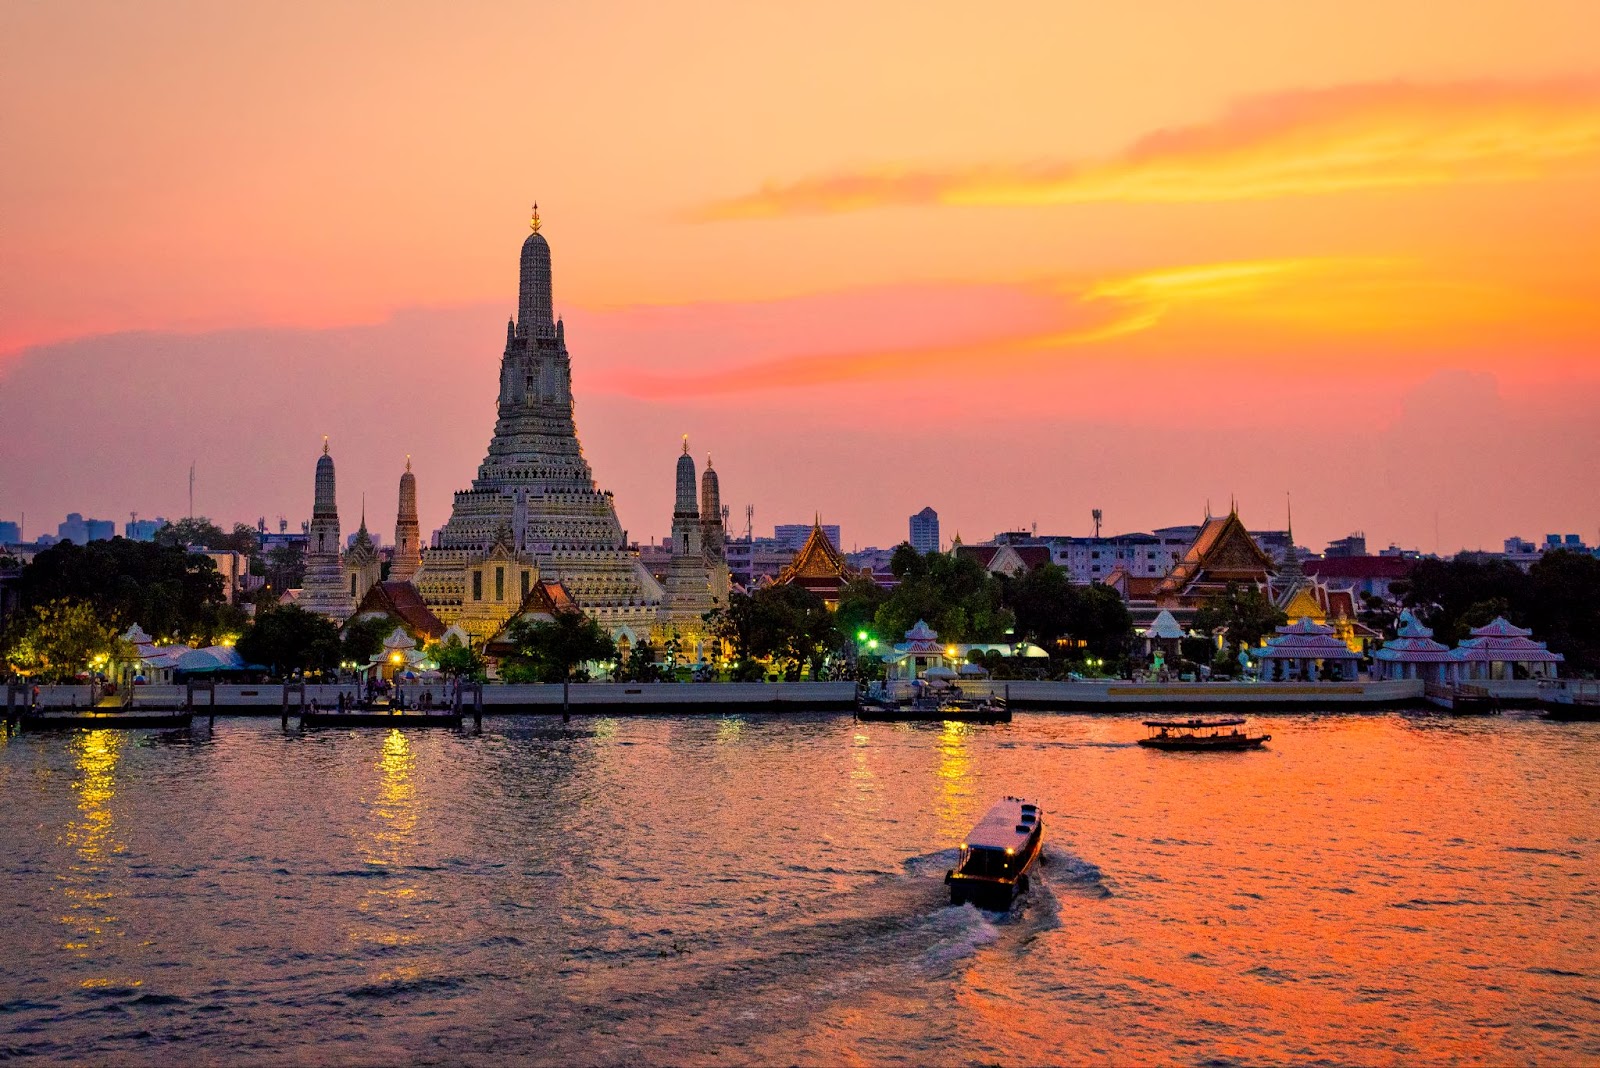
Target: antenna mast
point(1098, 516)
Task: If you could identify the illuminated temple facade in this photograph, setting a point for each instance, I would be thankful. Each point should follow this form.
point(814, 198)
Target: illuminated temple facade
point(533, 514)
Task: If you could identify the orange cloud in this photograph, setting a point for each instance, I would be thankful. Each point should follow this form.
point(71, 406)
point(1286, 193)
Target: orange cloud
point(1308, 303)
point(1387, 135)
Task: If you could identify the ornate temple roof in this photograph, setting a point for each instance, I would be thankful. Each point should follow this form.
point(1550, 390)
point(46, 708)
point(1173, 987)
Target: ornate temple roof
point(1222, 552)
point(817, 559)
point(1305, 640)
point(401, 601)
point(1504, 642)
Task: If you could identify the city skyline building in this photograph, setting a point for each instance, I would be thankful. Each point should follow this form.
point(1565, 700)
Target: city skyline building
point(924, 535)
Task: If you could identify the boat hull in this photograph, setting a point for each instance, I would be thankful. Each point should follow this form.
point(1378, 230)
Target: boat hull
point(1223, 743)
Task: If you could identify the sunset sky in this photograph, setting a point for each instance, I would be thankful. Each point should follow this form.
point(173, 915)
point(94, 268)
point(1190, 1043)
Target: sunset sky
point(1016, 262)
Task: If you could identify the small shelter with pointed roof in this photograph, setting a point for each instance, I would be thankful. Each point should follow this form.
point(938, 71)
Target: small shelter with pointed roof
point(818, 567)
point(1163, 634)
point(919, 653)
point(399, 658)
point(1413, 654)
point(1502, 650)
point(1303, 650)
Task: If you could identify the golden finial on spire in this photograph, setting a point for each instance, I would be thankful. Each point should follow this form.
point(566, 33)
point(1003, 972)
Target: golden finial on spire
point(535, 223)
point(324, 444)
point(408, 461)
point(686, 444)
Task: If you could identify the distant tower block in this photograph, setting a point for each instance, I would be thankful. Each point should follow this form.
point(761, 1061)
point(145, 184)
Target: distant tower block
point(925, 531)
point(407, 534)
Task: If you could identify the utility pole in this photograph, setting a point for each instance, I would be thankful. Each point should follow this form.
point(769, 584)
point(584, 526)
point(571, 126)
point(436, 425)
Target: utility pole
point(191, 488)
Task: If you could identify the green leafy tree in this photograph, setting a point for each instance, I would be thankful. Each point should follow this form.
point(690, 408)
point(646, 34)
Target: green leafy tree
point(640, 666)
point(859, 602)
point(553, 650)
point(954, 594)
point(286, 567)
point(1564, 607)
point(455, 660)
point(59, 639)
point(162, 588)
point(195, 530)
point(907, 562)
point(1042, 601)
point(1242, 613)
point(288, 639)
point(363, 638)
point(1453, 596)
point(1101, 621)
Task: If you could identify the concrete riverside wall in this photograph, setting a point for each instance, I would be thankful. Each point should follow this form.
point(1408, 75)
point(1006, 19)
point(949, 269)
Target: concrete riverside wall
point(1115, 696)
point(667, 697)
point(609, 697)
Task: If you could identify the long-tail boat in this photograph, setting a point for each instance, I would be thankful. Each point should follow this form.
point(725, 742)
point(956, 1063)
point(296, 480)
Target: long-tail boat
point(1200, 735)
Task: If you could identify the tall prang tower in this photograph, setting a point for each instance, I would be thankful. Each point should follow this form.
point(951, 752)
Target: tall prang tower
point(407, 559)
point(713, 535)
point(534, 493)
point(323, 590)
point(696, 579)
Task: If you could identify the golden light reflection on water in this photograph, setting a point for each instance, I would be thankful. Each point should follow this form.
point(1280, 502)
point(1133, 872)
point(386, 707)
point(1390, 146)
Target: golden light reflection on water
point(729, 730)
point(92, 926)
point(386, 902)
point(861, 775)
point(955, 763)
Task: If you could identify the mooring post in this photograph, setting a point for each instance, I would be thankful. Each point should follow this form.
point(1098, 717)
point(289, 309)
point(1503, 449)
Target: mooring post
point(566, 700)
point(477, 707)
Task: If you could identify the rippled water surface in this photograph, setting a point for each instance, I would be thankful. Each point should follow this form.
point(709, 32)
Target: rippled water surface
point(1370, 888)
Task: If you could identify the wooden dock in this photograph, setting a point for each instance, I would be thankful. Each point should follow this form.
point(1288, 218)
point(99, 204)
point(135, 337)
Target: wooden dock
point(148, 719)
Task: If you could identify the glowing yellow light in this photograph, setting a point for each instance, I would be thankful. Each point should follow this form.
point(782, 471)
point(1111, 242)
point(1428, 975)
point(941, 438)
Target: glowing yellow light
point(1009, 851)
point(396, 658)
point(951, 651)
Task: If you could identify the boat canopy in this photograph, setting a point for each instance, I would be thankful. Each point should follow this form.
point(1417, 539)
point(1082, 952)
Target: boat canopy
point(1193, 724)
point(1008, 825)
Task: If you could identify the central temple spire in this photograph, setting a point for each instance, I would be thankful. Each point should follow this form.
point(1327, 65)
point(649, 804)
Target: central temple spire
point(535, 304)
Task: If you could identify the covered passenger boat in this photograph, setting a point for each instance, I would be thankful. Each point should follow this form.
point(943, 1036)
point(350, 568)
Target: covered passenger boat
point(1200, 735)
point(995, 858)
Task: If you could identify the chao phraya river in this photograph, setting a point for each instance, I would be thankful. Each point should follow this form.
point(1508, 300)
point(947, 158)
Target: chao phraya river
point(1374, 889)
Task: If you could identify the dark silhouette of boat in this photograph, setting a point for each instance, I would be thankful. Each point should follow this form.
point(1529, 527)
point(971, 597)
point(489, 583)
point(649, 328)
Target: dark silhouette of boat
point(993, 866)
point(1200, 735)
point(930, 704)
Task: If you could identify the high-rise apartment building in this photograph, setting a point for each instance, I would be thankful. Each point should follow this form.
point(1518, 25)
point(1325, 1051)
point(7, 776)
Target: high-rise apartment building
point(925, 531)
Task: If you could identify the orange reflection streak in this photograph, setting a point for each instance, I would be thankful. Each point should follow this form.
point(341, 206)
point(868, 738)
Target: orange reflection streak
point(91, 926)
point(955, 762)
point(386, 903)
point(1389, 135)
